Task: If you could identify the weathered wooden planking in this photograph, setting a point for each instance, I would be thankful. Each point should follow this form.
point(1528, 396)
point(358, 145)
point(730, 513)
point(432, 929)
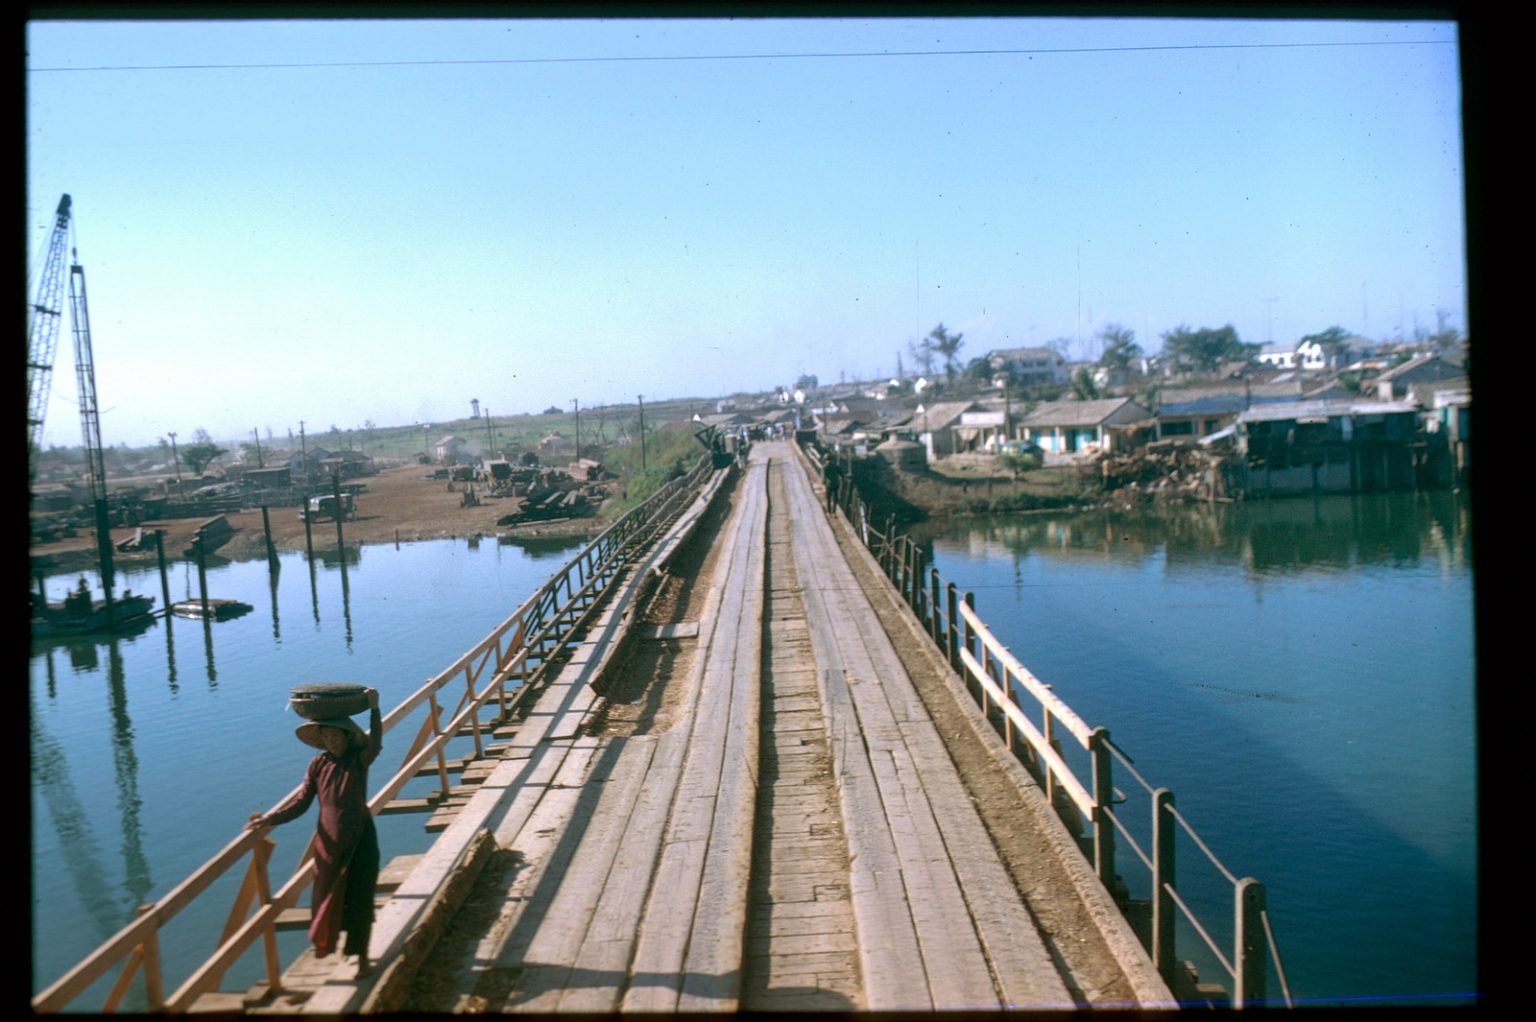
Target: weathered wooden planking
point(536, 992)
point(861, 695)
point(1025, 974)
point(800, 955)
point(610, 938)
point(441, 870)
point(668, 949)
point(890, 956)
point(1021, 965)
point(546, 965)
point(959, 976)
point(715, 948)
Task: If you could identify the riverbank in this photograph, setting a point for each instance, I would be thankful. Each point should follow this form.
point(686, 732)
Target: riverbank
point(979, 484)
point(971, 485)
point(406, 504)
point(398, 505)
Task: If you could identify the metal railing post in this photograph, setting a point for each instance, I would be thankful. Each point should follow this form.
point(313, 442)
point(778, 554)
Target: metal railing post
point(970, 632)
point(1103, 800)
point(1048, 732)
point(952, 636)
point(937, 629)
point(1164, 882)
point(906, 571)
point(1251, 951)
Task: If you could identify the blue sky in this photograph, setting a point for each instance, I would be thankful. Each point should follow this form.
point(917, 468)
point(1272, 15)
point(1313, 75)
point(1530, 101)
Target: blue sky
point(340, 222)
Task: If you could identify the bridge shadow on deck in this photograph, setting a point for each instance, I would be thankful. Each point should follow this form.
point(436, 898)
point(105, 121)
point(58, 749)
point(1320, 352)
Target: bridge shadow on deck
point(509, 980)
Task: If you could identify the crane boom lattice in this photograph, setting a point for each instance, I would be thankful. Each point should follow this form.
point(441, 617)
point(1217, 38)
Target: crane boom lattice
point(43, 325)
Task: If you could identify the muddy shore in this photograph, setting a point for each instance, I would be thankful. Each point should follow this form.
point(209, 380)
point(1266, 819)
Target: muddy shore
point(399, 505)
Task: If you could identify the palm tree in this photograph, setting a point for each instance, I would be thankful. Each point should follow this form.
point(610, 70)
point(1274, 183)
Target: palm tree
point(947, 346)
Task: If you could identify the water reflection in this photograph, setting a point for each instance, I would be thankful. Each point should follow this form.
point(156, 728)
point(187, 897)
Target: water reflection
point(1301, 672)
point(78, 850)
point(213, 671)
point(273, 574)
point(170, 655)
point(1273, 536)
point(126, 770)
point(109, 906)
point(330, 557)
point(109, 776)
point(346, 599)
point(314, 591)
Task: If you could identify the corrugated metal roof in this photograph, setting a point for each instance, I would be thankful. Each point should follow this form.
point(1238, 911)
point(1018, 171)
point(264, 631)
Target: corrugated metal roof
point(1324, 409)
point(1080, 413)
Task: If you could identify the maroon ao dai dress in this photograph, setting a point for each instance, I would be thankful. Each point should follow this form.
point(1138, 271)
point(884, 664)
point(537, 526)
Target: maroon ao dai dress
point(346, 843)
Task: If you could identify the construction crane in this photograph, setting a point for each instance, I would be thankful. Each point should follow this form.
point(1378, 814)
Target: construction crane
point(90, 420)
point(43, 327)
point(43, 336)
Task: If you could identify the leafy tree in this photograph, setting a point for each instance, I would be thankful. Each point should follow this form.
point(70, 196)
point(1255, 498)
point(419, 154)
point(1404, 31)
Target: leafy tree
point(199, 456)
point(1204, 350)
point(1334, 341)
point(922, 354)
point(1120, 347)
point(554, 410)
point(946, 346)
point(1083, 387)
point(807, 381)
point(1061, 346)
point(979, 368)
point(1445, 335)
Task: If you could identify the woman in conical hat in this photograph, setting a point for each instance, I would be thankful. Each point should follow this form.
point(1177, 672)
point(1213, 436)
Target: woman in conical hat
point(346, 843)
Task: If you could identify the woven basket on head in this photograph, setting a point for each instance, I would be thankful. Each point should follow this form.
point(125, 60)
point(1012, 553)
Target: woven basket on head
point(324, 699)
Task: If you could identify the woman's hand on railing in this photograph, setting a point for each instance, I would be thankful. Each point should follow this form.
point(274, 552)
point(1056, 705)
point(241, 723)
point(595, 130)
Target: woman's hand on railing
point(256, 821)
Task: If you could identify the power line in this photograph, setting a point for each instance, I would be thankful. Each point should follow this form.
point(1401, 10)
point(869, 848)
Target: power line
point(737, 56)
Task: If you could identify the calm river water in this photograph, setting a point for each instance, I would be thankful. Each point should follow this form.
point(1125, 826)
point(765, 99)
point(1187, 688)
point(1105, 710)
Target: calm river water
point(1299, 673)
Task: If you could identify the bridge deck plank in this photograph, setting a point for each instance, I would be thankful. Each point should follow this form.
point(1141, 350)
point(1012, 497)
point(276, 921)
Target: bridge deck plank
point(940, 846)
point(690, 885)
point(634, 855)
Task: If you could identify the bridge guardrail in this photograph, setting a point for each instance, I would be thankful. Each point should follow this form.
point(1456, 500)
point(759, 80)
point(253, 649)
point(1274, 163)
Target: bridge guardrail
point(498, 674)
point(1088, 804)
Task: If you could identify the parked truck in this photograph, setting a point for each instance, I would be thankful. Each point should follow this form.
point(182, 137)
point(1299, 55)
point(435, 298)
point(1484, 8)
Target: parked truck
point(321, 508)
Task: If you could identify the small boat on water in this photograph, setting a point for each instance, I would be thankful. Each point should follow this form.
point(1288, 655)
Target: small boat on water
point(79, 614)
point(212, 610)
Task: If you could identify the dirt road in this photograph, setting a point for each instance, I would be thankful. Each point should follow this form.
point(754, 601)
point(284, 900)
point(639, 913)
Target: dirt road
point(398, 505)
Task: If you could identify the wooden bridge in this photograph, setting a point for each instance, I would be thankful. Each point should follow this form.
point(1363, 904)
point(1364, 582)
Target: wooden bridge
point(728, 768)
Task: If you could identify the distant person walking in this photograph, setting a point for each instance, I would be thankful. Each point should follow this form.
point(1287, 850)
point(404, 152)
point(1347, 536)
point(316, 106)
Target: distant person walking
point(346, 843)
point(831, 474)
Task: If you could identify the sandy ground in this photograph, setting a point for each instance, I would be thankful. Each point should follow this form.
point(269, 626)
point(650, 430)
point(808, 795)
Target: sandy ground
point(399, 505)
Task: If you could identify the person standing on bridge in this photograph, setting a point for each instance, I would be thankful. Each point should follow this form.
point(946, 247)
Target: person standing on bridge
point(346, 843)
point(832, 475)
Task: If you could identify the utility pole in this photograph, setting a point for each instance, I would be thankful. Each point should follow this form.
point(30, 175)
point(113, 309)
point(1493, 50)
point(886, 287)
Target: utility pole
point(641, 399)
point(490, 436)
point(1007, 414)
point(304, 458)
point(256, 435)
point(577, 407)
point(175, 461)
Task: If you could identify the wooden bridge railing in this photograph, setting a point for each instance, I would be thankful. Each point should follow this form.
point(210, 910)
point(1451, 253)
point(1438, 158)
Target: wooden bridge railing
point(1086, 797)
point(496, 676)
